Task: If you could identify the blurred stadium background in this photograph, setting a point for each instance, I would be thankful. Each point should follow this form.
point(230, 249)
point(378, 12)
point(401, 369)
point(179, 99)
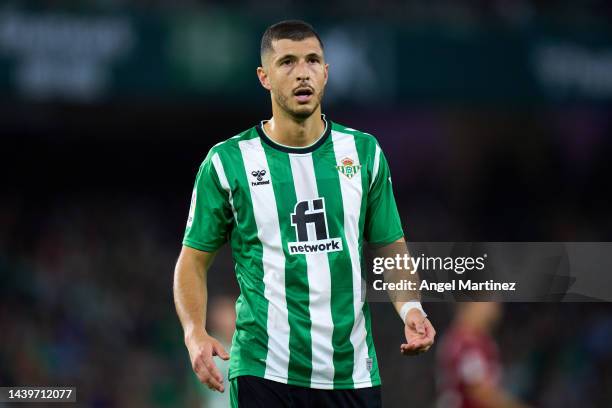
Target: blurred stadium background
point(495, 116)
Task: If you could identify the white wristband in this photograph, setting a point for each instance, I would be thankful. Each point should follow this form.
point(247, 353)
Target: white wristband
point(410, 305)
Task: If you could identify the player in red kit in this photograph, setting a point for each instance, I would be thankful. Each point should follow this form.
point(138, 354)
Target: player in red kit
point(468, 361)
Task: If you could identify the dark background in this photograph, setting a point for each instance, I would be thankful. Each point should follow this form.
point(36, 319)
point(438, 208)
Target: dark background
point(494, 116)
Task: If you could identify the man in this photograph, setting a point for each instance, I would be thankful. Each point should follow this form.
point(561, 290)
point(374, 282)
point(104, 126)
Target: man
point(297, 195)
point(468, 361)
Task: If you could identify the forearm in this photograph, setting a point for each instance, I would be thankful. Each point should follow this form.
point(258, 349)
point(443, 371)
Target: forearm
point(190, 294)
point(190, 297)
point(399, 275)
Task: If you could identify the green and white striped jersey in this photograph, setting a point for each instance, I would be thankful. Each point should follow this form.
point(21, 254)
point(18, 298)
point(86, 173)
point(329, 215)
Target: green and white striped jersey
point(297, 219)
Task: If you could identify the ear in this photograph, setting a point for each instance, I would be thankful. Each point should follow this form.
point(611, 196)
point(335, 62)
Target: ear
point(263, 78)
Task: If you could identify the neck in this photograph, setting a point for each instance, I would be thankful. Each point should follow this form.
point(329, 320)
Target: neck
point(289, 131)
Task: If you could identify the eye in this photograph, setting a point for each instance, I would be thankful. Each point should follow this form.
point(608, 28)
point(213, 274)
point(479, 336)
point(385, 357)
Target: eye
point(286, 62)
point(313, 60)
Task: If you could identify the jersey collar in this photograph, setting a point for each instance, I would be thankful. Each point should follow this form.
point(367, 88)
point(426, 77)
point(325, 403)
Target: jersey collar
point(291, 149)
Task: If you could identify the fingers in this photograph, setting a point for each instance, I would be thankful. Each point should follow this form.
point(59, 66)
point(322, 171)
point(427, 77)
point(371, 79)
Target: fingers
point(207, 377)
point(412, 352)
point(415, 321)
point(218, 350)
point(206, 370)
point(427, 332)
point(414, 348)
point(418, 344)
point(420, 327)
point(431, 332)
point(214, 372)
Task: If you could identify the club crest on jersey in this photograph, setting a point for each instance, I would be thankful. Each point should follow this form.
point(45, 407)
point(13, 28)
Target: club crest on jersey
point(259, 176)
point(348, 167)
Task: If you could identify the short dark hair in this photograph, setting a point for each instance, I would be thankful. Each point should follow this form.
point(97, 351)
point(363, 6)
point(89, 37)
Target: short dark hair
point(296, 30)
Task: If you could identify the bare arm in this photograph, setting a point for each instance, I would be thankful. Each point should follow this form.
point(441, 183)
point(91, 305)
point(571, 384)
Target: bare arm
point(190, 292)
point(418, 329)
point(398, 275)
point(190, 298)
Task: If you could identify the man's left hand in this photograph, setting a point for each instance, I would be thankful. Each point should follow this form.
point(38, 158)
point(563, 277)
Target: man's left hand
point(419, 333)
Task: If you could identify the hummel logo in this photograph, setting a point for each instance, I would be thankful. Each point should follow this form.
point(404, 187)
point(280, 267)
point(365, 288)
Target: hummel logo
point(259, 174)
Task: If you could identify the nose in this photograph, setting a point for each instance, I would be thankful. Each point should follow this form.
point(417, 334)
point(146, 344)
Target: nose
point(302, 72)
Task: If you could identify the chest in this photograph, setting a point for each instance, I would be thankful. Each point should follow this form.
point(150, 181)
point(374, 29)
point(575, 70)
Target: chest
point(314, 195)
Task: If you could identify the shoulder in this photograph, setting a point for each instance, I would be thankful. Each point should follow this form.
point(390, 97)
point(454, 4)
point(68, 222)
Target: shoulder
point(228, 146)
point(367, 146)
point(366, 143)
point(232, 143)
point(359, 135)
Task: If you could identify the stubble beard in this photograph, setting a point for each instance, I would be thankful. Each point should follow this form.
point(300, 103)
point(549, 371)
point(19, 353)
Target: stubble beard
point(297, 114)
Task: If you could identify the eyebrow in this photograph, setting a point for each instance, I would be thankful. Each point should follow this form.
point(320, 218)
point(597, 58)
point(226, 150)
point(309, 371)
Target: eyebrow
point(311, 54)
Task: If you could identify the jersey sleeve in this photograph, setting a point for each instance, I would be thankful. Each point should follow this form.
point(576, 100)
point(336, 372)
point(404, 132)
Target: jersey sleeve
point(210, 216)
point(382, 224)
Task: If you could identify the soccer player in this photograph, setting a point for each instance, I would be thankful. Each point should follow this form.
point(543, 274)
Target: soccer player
point(468, 361)
point(297, 196)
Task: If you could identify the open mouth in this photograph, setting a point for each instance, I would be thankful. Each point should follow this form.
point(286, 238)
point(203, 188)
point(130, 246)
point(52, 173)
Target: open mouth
point(303, 94)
